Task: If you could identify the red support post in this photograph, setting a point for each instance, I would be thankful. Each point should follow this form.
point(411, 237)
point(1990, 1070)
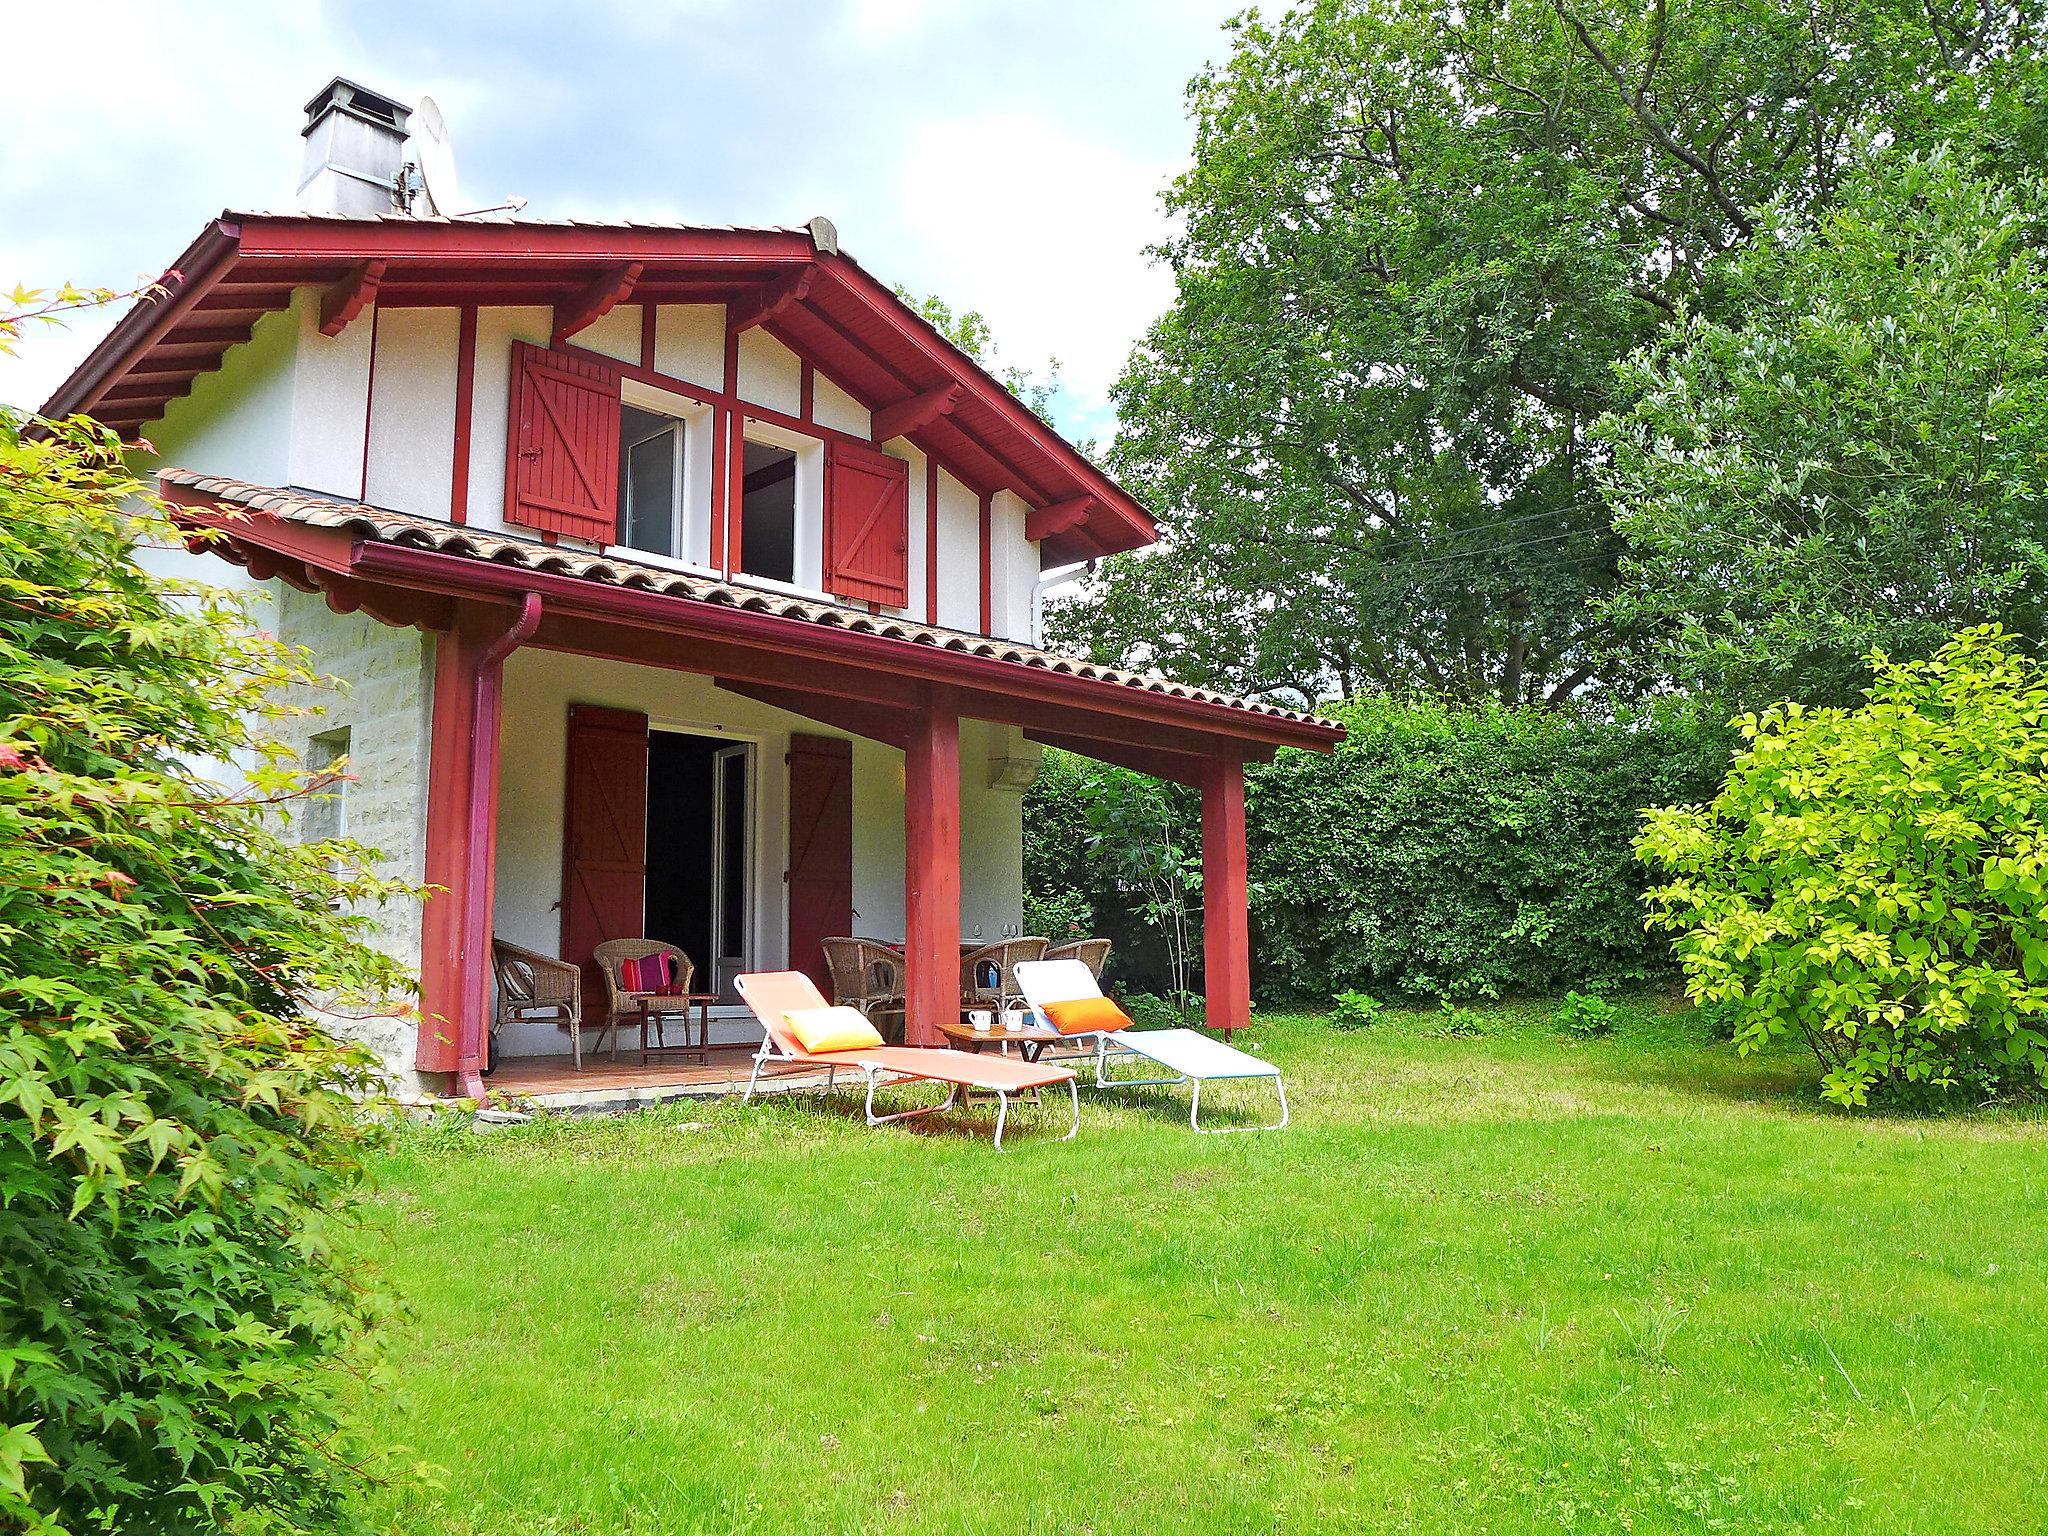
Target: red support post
point(1226, 914)
point(461, 853)
point(931, 870)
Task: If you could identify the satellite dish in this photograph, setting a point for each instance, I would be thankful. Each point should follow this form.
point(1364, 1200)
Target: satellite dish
point(435, 158)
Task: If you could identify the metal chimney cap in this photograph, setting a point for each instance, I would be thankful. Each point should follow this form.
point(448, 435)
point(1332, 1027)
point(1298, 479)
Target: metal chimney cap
point(358, 101)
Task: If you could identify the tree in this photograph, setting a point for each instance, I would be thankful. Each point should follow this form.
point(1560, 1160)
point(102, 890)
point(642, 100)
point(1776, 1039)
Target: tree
point(1416, 238)
point(178, 1139)
point(1857, 459)
point(1874, 881)
point(970, 331)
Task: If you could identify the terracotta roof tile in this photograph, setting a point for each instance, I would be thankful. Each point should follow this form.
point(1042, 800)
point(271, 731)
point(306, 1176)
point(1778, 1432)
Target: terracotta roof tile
point(315, 510)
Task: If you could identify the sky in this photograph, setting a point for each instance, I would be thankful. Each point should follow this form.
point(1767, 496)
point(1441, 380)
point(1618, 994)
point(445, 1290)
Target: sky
point(1007, 155)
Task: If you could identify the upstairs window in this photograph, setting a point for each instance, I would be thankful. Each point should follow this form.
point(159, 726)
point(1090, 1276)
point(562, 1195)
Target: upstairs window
point(768, 513)
point(650, 481)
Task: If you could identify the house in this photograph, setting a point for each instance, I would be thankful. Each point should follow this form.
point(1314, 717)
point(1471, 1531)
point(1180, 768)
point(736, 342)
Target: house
point(683, 580)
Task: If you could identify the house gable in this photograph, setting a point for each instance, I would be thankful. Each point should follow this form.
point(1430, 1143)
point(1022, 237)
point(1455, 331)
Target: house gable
point(764, 351)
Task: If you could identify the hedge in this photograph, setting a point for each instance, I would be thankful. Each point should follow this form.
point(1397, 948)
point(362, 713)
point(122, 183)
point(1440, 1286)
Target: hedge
point(1438, 852)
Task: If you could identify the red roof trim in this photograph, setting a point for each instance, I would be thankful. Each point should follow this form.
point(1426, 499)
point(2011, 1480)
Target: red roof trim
point(244, 266)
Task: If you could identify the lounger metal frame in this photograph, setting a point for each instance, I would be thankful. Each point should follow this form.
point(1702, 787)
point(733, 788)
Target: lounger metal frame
point(771, 1054)
point(1124, 1048)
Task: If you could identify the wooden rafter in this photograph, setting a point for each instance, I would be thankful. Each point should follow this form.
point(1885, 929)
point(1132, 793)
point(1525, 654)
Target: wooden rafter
point(350, 295)
point(770, 301)
point(1049, 522)
point(906, 416)
point(596, 299)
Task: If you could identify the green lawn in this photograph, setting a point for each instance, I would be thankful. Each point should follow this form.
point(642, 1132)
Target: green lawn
point(1500, 1282)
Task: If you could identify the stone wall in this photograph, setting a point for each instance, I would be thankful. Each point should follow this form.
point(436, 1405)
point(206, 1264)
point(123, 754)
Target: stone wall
point(378, 687)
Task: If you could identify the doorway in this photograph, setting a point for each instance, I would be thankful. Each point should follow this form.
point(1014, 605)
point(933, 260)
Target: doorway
point(700, 853)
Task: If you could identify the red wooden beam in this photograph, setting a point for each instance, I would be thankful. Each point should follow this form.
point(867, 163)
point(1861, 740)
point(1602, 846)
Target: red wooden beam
point(1160, 762)
point(596, 299)
point(465, 403)
point(295, 238)
point(906, 416)
point(769, 302)
point(877, 722)
point(986, 535)
point(931, 871)
point(1226, 916)
point(347, 298)
point(462, 827)
point(1042, 523)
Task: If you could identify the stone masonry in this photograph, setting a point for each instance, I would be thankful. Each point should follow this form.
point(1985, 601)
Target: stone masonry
point(378, 686)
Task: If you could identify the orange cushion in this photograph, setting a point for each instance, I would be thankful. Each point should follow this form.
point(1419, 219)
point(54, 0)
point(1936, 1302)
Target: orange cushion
point(1087, 1016)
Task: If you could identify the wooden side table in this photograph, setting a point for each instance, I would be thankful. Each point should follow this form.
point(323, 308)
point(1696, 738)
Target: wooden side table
point(1031, 1040)
point(678, 1006)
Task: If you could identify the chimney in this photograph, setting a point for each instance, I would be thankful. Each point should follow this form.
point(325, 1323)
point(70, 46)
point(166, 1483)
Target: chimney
point(355, 152)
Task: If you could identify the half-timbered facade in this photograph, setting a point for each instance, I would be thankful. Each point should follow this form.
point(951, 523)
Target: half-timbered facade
point(682, 580)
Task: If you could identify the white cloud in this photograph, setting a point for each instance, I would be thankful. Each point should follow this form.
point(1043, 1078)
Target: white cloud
point(1045, 233)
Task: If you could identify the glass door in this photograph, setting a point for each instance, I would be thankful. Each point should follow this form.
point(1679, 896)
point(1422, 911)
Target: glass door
point(732, 863)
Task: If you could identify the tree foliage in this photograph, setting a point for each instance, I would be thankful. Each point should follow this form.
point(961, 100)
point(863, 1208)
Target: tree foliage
point(177, 1137)
point(1858, 459)
point(1874, 881)
point(969, 330)
point(1416, 238)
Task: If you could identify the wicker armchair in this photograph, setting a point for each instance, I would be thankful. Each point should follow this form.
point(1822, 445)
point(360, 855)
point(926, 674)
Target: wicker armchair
point(536, 989)
point(621, 1003)
point(1093, 953)
point(988, 975)
point(868, 974)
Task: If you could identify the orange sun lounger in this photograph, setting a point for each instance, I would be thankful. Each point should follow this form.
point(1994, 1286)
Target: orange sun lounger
point(774, 994)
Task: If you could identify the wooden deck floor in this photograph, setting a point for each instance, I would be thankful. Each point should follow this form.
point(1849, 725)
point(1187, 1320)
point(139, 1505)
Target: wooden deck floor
point(554, 1082)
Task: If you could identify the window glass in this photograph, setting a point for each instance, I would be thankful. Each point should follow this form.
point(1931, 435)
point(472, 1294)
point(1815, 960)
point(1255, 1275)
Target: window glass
point(650, 480)
point(324, 814)
point(768, 513)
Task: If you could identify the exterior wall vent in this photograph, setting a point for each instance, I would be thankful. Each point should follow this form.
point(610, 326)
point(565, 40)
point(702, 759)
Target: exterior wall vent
point(355, 151)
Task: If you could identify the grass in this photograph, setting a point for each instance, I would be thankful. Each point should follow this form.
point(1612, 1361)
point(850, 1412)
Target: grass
point(1496, 1281)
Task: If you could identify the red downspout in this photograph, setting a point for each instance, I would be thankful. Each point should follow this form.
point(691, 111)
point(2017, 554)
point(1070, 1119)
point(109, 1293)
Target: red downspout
point(482, 827)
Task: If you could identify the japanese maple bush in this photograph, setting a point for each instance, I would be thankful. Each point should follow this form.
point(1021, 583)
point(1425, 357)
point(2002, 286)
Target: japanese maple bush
point(1874, 880)
point(178, 1134)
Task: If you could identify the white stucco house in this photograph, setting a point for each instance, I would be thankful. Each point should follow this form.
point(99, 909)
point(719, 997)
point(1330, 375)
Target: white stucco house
point(684, 582)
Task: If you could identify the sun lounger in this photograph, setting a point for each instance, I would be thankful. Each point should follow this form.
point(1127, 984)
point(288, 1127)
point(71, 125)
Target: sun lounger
point(775, 994)
point(1191, 1057)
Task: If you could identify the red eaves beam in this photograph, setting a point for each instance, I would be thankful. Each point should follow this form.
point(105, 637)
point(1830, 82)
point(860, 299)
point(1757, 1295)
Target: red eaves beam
point(597, 299)
point(1043, 523)
point(765, 306)
point(346, 299)
point(906, 416)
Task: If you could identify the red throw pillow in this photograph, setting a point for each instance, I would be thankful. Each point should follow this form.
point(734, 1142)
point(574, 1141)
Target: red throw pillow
point(644, 973)
point(1087, 1016)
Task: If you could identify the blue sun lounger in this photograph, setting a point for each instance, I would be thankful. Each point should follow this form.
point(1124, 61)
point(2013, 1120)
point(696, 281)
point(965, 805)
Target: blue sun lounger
point(1191, 1057)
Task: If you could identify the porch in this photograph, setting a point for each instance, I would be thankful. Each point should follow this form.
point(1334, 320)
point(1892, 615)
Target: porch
point(900, 692)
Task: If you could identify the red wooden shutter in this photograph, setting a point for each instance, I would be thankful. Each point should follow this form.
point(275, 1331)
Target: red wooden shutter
point(820, 850)
point(604, 840)
point(867, 524)
point(562, 451)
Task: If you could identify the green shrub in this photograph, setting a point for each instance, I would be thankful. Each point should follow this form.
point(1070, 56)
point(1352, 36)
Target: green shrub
point(1586, 1016)
point(1355, 1010)
point(1458, 1023)
point(1874, 881)
point(1059, 914)
point(177, 1148)
point(1148, 1010)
